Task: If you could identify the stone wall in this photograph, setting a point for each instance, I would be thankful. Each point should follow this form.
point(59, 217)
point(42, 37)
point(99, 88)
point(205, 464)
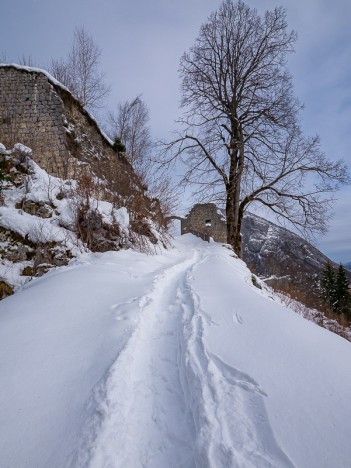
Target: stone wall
point(40, 113)
point(31, 112)
point(207, 219)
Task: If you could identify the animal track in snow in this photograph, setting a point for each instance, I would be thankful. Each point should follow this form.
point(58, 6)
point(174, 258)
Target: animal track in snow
point(237, 318)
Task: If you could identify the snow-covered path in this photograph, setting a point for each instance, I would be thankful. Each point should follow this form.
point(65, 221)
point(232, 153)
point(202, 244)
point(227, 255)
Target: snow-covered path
point(174, 360)
point(146, 419)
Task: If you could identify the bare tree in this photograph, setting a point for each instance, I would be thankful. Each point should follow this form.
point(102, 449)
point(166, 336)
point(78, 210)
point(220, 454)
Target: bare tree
point(240, 137)
point(80, 71)
point(60, 70)
point(131, 125)
point(3, 57)
point(26, 60)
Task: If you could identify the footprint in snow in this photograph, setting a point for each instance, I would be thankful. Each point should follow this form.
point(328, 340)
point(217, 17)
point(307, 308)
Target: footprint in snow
point(237, 318)
point(144, 301)
point(121, 317)
point(236, 377)
point(127, 303)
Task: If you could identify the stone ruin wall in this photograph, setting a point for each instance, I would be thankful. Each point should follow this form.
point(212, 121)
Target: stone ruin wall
point(65, 139)
point(86, 143)
point(196, 221)
point(31, 112)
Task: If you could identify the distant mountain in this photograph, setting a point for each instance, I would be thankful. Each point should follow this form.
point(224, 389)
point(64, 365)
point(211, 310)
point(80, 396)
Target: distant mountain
point(292, 263)
point(347, 265)
point(274, 250)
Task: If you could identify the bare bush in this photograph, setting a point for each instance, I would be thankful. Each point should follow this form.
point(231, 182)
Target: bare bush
point(294, 300)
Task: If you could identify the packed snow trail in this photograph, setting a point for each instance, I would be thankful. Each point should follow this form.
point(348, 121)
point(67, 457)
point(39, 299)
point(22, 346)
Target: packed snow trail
point(173, 360)
point(146, 419)
point(165, 392)
point(58, 339)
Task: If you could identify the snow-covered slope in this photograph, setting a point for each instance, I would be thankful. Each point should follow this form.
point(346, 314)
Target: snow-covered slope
point(45, 221)
point(172, 360)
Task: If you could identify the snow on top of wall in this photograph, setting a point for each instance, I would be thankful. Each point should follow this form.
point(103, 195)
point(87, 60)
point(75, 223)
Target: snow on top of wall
point(222, 214)
point(57, 83)
point(35, 70)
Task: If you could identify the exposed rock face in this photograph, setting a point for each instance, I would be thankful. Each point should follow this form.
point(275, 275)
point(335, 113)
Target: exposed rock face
point(273, 250)
point(290, 264)
point(40, 209)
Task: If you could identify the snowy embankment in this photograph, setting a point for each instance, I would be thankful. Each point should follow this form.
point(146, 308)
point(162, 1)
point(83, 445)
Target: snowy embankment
point(172, 360)
point(46, 221)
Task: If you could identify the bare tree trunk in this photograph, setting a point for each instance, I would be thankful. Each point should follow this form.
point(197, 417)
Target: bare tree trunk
point(234, 214)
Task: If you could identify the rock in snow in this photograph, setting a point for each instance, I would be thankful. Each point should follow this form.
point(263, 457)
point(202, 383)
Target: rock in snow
point(172, 360)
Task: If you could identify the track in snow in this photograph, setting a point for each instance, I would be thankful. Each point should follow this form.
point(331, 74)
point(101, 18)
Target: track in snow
point(146, 421)
point(167, 400)
point(231, 423)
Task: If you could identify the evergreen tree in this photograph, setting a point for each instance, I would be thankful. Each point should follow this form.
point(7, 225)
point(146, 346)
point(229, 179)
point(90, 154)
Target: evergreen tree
point(328, 285)
point(342, 295)
point(119, 146)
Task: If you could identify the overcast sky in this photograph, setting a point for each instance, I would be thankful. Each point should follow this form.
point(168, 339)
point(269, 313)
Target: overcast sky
point(142, 41)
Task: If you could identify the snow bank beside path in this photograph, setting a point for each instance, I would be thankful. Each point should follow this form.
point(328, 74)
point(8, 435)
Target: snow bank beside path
point(267, 388)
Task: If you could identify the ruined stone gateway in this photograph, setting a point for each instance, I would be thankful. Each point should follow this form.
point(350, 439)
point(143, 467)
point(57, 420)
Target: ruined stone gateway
point(205, 219)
